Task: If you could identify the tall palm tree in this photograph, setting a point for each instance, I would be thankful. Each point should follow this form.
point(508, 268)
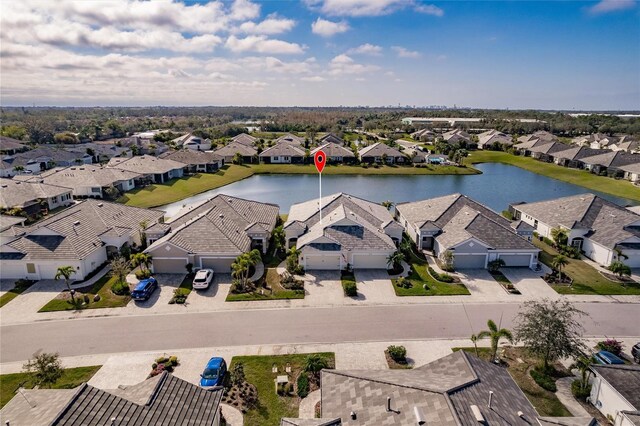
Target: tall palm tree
point(66, 272)
point(495, 334)
point(141, 259)
point(558, 263)
point(474, 340)
point(582, 364)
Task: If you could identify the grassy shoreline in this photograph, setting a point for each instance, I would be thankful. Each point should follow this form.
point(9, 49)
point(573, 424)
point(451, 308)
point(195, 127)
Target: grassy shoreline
point(619, 188)
point(179, 189)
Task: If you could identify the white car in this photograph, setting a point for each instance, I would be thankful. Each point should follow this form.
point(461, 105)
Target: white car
point(203, 279)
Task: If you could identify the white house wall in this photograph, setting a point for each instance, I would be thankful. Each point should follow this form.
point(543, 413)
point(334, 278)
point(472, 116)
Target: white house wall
point(606, 399)
point(596, 252)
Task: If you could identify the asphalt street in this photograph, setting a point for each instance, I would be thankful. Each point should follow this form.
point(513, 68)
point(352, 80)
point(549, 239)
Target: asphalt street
point(283, 326)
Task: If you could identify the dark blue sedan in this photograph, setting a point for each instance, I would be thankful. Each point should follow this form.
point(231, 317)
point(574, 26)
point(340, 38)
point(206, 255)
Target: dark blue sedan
point(214, 372)
point(607, 358)
point(144, 289)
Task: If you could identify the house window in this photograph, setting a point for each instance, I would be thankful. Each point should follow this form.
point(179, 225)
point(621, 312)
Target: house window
point(275, 158)
point(535, 224)
point(31, 268)
point(96, 189)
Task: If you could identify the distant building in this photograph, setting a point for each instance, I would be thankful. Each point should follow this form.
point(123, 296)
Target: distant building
point(192, 142)
point(32, 197)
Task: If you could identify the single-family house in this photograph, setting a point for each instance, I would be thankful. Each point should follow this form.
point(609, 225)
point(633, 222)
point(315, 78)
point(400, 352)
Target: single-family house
point(10, 146)
point(595, 141)
point(32, 197)
point(151, 169)
point(290, 139)
point(626, 144)
point(380, 152)
point(41, 159)
point(615, 391)
point(490, 138)
point(87, 180)
point(631, 172)
point(547, 151)
point(84, 236)
point(457, 389)
point(144, 144)
point(196, 161)
point(571, 156)
point(415, 152)
point(229, 151)
point(332, 138)
point(472, 232)
point(101, 152)
point(540, 135)
point(456, 136)
point(352, 233)
point(283, 153)
point(335, 153)
point(192, 142)
point(244, 139)
point(213, 234)
point(610, 162)
point(436, 159)
point(163, 400)
point(597, 227)
point(424, 135)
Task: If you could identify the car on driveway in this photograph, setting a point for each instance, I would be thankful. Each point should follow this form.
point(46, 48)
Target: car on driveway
point(203, 279)
point(144, 289)
point(635, 351)
point(607, 358)
point(214, 373)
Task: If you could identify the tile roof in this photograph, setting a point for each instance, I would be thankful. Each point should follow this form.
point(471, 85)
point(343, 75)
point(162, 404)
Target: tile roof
point(606, 221)
point(492, 136)
point(378, 149)
point(290, 138)
point(192, 157)
point(43, 154)
point(145, 164)
point(244, 139)
point(633, 416)
point(577, 152)
point(83, 176)
point(230, 149)
point(331, 138)
point(16, 193)
point(36, 407)
point(624, 378)
point(283, 149)
point(334, 150)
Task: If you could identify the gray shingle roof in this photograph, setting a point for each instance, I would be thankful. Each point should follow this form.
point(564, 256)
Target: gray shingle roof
point(14, 193)
point(9, 144)
point(334, 150)
point(283, 149)
point(191, 157)
point(493, 136)
point(232, 148)
point(290, 138)
point(613, 159)
point(378, 149)
point(624, 378)
point(287, 421)
point(145, 164)
point(244, 139)
point(83, 176)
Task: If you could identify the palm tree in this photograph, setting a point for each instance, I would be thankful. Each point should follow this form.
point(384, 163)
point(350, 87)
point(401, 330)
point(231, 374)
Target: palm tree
point(474, 340)
point(143, 235)
point(495, 334)
point(314, 363)
point(141, 259)
point(279, 239)
point(388, 204)
point(559, 236)
point(582, 364)
point(395, 260)
point(558, 263)
point(619, 269)
point(66, 272)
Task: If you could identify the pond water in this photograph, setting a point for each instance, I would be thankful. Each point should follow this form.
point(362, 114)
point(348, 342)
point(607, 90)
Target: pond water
point(497, 187)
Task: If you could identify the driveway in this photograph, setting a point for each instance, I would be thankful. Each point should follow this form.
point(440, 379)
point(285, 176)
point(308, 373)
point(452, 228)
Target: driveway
point(159, 300)
point(28, 303)
point(530, 284)
point(323, 288)
point(374, 286)
point(483, 287)
point(213, 297)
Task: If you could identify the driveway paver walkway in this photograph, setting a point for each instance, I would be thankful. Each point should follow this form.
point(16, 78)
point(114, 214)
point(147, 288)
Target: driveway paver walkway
point(530, 283)
point(25, 307)
point(374, 286)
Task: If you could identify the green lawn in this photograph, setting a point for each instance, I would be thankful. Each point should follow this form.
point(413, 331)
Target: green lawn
point(419, 276)
point(586, 279)
point(545, 402)
point(71, 378)
point(620, 188)
point(342, 169)
point(277, 292)
point(13, 293)
point(271, 407)
point(102, 287)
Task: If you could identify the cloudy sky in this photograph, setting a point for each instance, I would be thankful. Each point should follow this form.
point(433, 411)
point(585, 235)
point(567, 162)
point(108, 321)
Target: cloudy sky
point(517, 54)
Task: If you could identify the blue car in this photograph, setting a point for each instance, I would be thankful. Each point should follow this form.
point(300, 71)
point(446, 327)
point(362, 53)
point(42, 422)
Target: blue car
point(607, 358)
point(144, 289)
point(214, 373)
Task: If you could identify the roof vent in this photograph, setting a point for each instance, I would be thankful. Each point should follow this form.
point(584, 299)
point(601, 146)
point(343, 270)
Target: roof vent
point(419, 416)
point(221, 216)
point(100, 204)
point(76, 223)
point(521, 414)
point(477, 414)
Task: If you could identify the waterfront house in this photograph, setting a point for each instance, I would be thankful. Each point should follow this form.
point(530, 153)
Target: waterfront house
point(609, 163)
point(490, 138)
point(413, 151)
point(229, 151)
point(32, 197)
point(571, 156)
point(150, 169)
point(192, 142)
point(375, 153)
point(335, 153)
point(615, 391)
point(196, 161)
point(244, 139)
point(456, 137)
point(283, 153)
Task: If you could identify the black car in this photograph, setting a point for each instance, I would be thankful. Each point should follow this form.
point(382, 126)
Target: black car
point(635, 351)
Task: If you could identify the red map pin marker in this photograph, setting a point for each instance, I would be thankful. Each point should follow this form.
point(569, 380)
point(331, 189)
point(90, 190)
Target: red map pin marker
point(320, 159)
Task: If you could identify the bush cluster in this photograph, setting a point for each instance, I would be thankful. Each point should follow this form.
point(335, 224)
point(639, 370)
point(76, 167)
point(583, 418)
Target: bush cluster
point(610, 345)
point(404, 283)
point(164, 363)
point(398, 354)
point(543, 380)
point(179, 296)
point(143, 274)
point(303, 385)
point(120, 289)
point(443, 278)
point(350, 288)
point(580, 391)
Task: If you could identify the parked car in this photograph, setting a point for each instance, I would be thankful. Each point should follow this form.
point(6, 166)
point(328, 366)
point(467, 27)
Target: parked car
point(606, 358)
point(144, 289)
point(203, 279)
point(635, 352)
point(214, 373)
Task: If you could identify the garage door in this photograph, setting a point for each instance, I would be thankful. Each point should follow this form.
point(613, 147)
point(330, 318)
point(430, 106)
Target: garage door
point(170, 266)
point(361, 261)
point(633, 260)
point(324, 262)
point(513, 260)
point(221, 265)
point(469, 261)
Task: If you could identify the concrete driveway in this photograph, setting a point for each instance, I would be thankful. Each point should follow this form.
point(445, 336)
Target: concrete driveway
point(530, 284)
point(323, 288)
point(374, 286)
point(213, 297)
point(159, 300)
point(483, 287)
point(27, 304)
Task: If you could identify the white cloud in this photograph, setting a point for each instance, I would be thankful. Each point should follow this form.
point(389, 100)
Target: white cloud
point(607, 6)
point(405, 53)
point(314, 79)
point(262, 44)
point(366, 49)
point(275, 65)
point(327, 28)
point(244, 9)
point(271, 25)
point(370, 7)
point(343, 64)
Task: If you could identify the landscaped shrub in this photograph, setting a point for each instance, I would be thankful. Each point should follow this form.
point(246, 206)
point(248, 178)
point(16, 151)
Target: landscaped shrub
point(404, 283)
point(398, 353)
point(350, 288)
point(580, 391)
point(290, 283)
point(141, 275)
point(303, 385)
point(179, 296)
point(443, 278)
point(610, 345)
point(121, 289)
point(543, 380)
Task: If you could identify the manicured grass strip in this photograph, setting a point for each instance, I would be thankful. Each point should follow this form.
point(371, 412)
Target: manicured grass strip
point(71, 378)
point(12, 294)
point(586, 279)
point(619, 188)
point(342, 169)
point(546, 403)
point(419, 276)
point(271, 407)
point(277, 291)
point(102, 287)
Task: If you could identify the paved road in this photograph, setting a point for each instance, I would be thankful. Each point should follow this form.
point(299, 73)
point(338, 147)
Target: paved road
point(308, 325)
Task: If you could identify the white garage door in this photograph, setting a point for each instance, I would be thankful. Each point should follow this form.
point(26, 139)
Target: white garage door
point(469, 261)
point(323, 262)
point(513, 260)
point(170, 266)
point(11, 270)
point(362, 261)
point(220, 265)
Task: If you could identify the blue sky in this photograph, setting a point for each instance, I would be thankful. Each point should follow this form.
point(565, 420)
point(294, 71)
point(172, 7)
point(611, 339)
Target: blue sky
point(517, 54)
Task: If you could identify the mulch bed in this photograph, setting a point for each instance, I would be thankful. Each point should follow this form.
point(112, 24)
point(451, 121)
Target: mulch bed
point(396, 365)
point(617, 279)
point(242, 398)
